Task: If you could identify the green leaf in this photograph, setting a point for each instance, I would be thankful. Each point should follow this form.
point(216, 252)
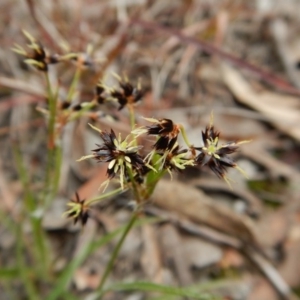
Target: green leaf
point(67, 274)
point(167, 290)
point(9, 273)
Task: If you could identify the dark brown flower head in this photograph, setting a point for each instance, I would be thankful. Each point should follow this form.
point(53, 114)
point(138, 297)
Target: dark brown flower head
point(127, 94)
point(141, 173)
point(100, 93)
point(65, 105)
point(165, 143)
point(176, 159)
point(120, 154)
point(215, 156)
point(161, 127)
point(79, 211)
point(167, 132)
point(37, 56)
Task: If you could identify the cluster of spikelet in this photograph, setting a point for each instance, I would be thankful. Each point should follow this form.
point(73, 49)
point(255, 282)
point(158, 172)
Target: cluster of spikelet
point(126, 160)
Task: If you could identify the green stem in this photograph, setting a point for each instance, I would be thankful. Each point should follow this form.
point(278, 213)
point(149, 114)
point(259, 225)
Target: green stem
point(74, 84)
point(35, 220)
point(52, 148)
point(132, 122)
point(52, 109)
point(134, 186)
point(153, 177)
point(77, 114)
point(57, 170)
point(103, 196)
point(116, 251)
point(23, 270)
point(131, 116)
point(152, 181)
point(184, 135)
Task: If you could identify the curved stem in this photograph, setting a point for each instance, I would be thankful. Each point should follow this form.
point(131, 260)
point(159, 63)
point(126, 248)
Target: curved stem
point(184, 135)
point(103, 196)
point(116, 251)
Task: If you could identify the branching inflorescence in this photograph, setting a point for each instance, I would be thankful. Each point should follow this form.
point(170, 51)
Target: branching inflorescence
point(128, 162)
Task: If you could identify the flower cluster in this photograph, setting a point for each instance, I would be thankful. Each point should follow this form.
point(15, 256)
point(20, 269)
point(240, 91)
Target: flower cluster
point(121, 155)
point(215, 156)
point(136, 169)
point(124, 159)
point(126, 95)
point(166, 131)
point(37, 56)
point(79, 210)
point(176, 159)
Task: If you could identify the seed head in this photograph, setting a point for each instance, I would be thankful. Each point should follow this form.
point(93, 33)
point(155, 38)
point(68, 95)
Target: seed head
point(37, 56)
point(176, 159)
point(127, 94)
point(166, 131)
point(120, 154)
point(100, 93)
point(215, 156)
point(79, 210)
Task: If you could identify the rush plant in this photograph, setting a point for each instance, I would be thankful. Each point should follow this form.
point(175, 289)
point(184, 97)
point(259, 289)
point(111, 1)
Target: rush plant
point(134, 167)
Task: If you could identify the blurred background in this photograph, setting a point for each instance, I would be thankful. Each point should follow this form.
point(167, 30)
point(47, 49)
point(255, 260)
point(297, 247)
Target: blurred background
point(237, 59)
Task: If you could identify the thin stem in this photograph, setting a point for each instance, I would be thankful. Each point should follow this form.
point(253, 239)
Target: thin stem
point(131, 116)
point(153, 177)
point(77, 114)
point(52, 148)
point(184, 135)
point(103, 196)
point(52, 111)
point(74, 84)
point(132, 121)
point(57, 170)
point(23, 270)
point(116, 251)
point(134, 186)
point(35, 221)
point(152, 180)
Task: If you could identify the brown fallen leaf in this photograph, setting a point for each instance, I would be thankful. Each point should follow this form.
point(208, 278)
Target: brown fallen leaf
point(290, 269)
point(91, 187)
point(83, 279)
point(232, 258)
point(287, 48)
point(263, 291)
point(193, 204)
point(151, 256)
point(22, 86)
point(273, 228)
point(256, 152)
point(171, 243)
point(8, 194)
point(200, 253)
point(282, 111)
point(254, 204)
